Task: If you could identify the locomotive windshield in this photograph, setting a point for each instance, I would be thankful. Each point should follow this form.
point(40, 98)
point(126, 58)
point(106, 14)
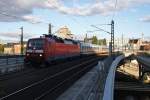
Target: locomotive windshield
point(36, 44)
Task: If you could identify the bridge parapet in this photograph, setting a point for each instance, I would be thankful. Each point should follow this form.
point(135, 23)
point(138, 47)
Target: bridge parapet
point(144, 60)
point(10, 63)
point(10, 60)
point(109, 85)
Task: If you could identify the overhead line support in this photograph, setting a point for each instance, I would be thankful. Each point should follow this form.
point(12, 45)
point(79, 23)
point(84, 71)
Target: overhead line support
point(112, 36)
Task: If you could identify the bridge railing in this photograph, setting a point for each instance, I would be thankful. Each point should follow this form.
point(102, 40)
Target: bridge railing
point(144, 60)
point(11, 60)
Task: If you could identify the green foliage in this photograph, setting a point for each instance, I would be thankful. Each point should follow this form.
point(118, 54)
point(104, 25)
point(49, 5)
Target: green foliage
point(85, 39)
point(94, 40)
point(1, 48)
point(102, 42)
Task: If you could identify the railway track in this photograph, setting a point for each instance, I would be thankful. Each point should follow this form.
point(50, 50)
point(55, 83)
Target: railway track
point(129, 87)
point(31, 70)
point(16, 74)
point(50, 79)
point(131, 91)
point(132, 86)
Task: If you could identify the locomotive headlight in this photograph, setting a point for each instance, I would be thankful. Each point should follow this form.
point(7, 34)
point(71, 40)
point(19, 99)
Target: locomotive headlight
point(41, 55)
point(28, 54)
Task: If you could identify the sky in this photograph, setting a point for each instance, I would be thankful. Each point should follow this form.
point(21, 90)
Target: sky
point(131, 17)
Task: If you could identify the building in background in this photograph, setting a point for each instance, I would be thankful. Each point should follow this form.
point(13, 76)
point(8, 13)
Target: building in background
point(121, 44)
point(64, 32)
point(14, 48)
point(8, 48)
point(145, 46)
point(17, 48)
point(135, 44)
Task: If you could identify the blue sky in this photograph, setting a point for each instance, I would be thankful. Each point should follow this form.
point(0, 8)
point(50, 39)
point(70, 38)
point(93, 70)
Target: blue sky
point(131, 18)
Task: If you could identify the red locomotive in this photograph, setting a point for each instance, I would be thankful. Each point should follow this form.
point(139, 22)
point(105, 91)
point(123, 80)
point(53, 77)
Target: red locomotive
point(48, 48)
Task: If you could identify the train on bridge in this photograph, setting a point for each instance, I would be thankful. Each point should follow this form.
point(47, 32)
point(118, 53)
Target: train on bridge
point(48, 48)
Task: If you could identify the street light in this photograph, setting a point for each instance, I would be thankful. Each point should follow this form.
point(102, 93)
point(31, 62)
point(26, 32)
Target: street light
point(21, 40)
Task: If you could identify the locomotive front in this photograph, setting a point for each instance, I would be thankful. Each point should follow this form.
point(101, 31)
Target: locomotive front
point(35, 51)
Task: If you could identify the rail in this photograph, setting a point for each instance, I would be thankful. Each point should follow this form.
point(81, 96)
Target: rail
point(86, 87)
point(109, 85)
point(89, 87)
point(57, 80)
point(132, 86)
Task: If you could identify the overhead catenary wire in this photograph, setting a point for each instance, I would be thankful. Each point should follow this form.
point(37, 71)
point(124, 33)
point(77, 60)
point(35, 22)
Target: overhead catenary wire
point(79, 23)
point(100, 29)
point(113, 15)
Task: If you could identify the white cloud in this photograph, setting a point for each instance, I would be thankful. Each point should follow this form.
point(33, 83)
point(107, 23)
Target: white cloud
point(17, 10)
point(14, 35)
point(97, 7)
point(32, 19)
point(145, 18)
point(22, 10)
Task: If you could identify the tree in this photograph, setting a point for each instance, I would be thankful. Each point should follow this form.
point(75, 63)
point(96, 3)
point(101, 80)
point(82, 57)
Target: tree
point(94, 40)
point(1, 48)
point(102, 42)
point(85, 39)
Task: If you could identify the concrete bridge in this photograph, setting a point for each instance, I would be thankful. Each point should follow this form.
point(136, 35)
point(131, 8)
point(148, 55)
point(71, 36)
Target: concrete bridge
point(99, 83)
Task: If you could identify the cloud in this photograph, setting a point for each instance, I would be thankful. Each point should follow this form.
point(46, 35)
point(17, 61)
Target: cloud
point(22, 10)
point(18, 10)
point(32, 19)
point(145, 18)
point(97, 7)
point(15, 35)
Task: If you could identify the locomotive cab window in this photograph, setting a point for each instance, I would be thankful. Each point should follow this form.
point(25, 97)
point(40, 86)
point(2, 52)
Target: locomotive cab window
point(36, 44)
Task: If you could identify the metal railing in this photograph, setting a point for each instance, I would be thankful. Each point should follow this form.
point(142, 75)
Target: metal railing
point(6, 60)
point(144, 61)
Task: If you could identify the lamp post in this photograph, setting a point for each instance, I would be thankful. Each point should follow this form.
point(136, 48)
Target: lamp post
point(21, 41)
point(50, 29)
